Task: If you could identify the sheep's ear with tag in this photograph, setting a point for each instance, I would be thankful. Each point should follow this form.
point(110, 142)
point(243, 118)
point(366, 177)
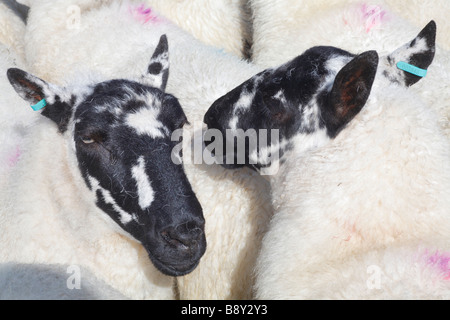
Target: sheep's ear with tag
point(158, 70)
point(416, 56)
point(42, 96)
point(350, 91)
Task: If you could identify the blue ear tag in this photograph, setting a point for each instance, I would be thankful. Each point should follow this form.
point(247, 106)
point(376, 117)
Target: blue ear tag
point(40, 105)
point(411, 69)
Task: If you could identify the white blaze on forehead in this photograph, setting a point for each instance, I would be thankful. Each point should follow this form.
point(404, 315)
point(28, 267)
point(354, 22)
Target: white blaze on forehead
point(125, 217)
point(244, 102)
point(145, 191)
point(145, 122)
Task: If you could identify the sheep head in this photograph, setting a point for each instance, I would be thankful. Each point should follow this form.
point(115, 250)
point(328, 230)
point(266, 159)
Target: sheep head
point(119, 133)
point(310, 99)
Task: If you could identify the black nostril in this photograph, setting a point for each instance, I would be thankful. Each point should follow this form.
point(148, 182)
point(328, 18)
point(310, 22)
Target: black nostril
point(183, 236)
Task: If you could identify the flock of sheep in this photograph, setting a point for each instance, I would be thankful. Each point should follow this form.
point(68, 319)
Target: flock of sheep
point(359, 208)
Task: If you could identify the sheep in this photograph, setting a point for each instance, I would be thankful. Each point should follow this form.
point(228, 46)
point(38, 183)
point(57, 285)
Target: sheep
point(360, 194)
point(419, 12)
point(365, 23)
point(221, 23)
point(12, 123)
point(353, 25)
point(236, 205)
point(96, 186)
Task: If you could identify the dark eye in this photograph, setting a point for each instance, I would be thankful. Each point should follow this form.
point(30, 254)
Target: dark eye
point(96, 137)
point(87, 140)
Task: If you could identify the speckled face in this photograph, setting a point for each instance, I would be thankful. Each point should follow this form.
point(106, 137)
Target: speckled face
point(121, 134)
point(313, 97)
point(296, 98)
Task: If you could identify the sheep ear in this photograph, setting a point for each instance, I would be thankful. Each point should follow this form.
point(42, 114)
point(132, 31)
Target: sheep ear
point(350, 91)
point(42, 96)
point(158, 69)
point(419, 53)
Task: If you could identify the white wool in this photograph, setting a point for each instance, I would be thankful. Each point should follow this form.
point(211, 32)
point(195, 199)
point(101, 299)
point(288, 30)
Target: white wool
point(15, 116)
point(220, 23)
point(368, 215)
point(419, 13)
point(12, 30)
point(236, 204)
point(285, 29)
point(48, 216)
point(44, 219)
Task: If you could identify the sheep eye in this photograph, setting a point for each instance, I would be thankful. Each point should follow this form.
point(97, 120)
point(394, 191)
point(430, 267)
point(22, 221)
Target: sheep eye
point(87, 140)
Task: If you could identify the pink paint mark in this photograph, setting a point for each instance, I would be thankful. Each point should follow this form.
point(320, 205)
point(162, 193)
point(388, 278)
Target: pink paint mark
point(440, 261)
point(373, 16)
point(144, 14)
point(14, 157)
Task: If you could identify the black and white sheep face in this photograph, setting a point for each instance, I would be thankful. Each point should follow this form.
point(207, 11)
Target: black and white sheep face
point(305, 102)
point(120, 134)
point(313, 96)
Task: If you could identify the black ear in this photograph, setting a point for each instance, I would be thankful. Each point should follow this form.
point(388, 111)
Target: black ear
point(158, 69)
point(35, 90)
point(419, 52)
point(172, 113)
point(350, 92)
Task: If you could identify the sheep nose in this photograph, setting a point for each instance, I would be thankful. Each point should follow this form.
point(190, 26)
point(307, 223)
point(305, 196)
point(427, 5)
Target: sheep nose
point(184, 236)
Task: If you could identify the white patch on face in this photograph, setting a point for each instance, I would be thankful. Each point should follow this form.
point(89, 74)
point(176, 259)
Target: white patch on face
point(311, 117)
point(336, 63)
point(233, 123)
point(145, 191)
point(125, 217)
point(333, 66)
point(145, 122)
point(280, 96)
point(244, 102)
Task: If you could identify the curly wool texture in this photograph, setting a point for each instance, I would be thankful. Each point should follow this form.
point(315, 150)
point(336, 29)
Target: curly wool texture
point(236, 204)
point(12, 30)
point(366, 216)
point(356, 26)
